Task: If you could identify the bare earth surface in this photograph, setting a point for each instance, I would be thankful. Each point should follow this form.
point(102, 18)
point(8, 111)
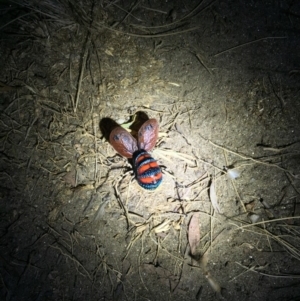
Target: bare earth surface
point(223, 80)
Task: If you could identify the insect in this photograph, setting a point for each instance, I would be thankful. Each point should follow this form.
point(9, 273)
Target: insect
point(147, 171)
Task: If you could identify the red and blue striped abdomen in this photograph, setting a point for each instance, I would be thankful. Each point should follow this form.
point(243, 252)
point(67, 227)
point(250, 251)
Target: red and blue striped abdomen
point(147, 171)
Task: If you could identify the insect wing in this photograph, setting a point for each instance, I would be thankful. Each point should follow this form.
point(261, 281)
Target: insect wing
point(148, 134)
point(123, 142)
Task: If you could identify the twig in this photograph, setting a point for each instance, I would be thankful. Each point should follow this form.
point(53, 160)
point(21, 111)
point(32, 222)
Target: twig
point(155, 10)
point(29, 128)
point(140, 263)
point(72, 259)
point(200, 60)
point(248, 43)
point(128, 13)
point(157, 35)
point(179, 20)
point(233, 184)
point(269, 221)
point(122, 205)
point(292, 250)
point(252, 269)
point(252, 159)
point(28, 265)
point(95, 146)
point(20, 17)
point(83, 63)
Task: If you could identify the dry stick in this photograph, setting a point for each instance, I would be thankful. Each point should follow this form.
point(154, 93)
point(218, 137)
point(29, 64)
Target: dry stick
point(95, 145)
point(71, 85)
point(178, 21)
point(181, 156)
point(211, 226)
point(238, 195)
point(242, 273)
point(139, 262)
point(267, 222)
point(100, 25)
point(29, 128)
point(16, 19)
point(73, 259)
point(122, 205)
point(71, 241)
point(252, 269)
point(248, 43)
point(131, 243)
point(158, 35)
point(57, 19)
point(128, 13)
point(210, 164)
point(83, 63)
point(251, 159)
point(268, 239)
point(155, 10)
point(53, 229)
point(291, 249)
point(200, 60)
point(180, 239)
point(292, 184)
point(233, 184)
point(280, 149)
point(98, 60)
point(165, 250)
point(28, 265)
point(8, 175)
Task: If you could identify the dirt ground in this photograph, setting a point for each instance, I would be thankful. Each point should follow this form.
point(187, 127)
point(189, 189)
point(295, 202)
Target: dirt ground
point(223, 80)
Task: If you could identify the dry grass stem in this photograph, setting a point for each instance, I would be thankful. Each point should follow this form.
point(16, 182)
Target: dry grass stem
point(83, 64)
point(254, 269)
point(267, 222)
point(248, 43)
point(251, 159)
point(75, 260)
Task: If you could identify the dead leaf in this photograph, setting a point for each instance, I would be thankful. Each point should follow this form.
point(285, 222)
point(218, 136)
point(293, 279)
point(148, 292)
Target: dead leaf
point(213, 197)
point(194, 233)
